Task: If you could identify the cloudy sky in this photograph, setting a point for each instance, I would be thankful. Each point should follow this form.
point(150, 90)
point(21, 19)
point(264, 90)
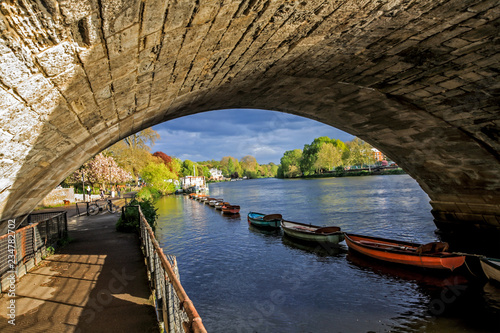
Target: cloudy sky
point(266, 135)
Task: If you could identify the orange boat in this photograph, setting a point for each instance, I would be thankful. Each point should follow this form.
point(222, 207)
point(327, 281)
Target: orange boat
point(432, 255)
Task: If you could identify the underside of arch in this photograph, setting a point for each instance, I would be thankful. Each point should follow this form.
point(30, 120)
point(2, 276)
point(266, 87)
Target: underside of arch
point(416, 79)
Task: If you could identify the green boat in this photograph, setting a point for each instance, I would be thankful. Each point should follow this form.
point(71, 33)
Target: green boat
point(312, 233)
point(270, 221)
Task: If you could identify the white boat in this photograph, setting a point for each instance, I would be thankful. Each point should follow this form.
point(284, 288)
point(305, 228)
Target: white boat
point(491, 268)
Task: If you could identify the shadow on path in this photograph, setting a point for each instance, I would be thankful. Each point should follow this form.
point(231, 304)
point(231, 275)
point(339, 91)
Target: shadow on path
point(97, 283)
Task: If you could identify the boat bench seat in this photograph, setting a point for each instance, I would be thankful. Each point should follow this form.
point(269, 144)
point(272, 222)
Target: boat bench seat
point(433, 247)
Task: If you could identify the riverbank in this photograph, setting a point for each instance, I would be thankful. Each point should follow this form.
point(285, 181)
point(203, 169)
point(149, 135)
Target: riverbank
point(359, 172)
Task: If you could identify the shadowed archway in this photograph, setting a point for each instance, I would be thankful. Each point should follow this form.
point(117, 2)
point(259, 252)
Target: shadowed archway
point(416, 79)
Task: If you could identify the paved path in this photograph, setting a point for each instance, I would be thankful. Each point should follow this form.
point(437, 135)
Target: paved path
point(97, 283)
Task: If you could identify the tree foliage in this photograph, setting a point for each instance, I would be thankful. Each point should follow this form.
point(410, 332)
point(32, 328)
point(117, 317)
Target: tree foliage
point(164, 157)
point(290, 164)
point(188, 168)
point(133, 153)
point(359, 154)
point(159, 176)
point(142, 140)
point(230, 167)
point(101, 170)
point(325, 154)
point(325, 148)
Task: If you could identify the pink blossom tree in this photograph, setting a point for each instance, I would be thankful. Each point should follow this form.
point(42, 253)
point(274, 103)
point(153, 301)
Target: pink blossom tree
point(101, 169)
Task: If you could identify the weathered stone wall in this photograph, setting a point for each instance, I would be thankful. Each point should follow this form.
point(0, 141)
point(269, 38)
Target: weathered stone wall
point(58, 195)
point(418, 79)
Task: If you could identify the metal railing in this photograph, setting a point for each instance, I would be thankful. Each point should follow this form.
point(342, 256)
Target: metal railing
point(175, 311)
point(24, 248)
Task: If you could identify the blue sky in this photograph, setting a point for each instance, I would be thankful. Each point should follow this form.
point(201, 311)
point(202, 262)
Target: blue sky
point(266, 135)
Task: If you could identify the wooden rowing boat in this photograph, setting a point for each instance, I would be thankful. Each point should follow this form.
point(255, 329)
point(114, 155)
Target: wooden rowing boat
point(312, 233)
point(432, 255)
point(220, 204)
point(212, 201)
point(230, 209)
point(271, 221)
point(491, 268)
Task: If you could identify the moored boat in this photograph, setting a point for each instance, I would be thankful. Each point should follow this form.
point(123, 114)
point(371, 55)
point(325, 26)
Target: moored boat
point(431, 255)
point(207, 200)
point(213, 201)
point(220, 204)
point(312, 233)
point(231, 209)
point(272, 221)
point(491, 268)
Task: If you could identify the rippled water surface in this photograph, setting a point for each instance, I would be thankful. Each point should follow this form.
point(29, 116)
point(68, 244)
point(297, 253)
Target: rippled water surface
point(245, 280)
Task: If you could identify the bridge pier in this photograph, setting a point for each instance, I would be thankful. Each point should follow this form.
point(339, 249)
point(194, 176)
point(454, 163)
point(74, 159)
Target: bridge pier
point(466, 216)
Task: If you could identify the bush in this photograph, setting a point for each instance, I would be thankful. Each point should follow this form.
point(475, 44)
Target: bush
point(129, 220)
point(148, 193)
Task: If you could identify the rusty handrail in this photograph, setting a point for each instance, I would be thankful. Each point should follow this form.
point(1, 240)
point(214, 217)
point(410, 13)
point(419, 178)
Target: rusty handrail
point(195, 324)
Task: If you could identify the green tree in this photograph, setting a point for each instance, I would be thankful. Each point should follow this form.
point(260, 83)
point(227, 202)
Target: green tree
point(159, 177)
point(229, 166)
point(328, 156)
point(249, 166)
point(176, 166)
point(273, 170)
point(359, 154)
point(188, 168)
point(290, 164)
point(310, 164)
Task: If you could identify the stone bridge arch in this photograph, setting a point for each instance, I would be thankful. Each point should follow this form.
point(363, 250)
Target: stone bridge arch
point(417, 79)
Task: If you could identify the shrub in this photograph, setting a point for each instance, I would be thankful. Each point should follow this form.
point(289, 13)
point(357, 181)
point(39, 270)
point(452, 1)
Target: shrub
point(129, 220)
point(148, 193)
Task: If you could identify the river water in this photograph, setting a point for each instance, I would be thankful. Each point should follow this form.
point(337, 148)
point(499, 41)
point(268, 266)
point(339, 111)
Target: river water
point(245, 280)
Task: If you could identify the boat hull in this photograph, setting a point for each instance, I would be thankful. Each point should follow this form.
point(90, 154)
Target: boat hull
point(491, 268)
point(256, 219)
point(307, 233)
point(398, 255)
point(231, 209)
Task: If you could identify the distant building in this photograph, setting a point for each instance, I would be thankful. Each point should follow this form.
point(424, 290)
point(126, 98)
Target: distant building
point(191, 181)
point(377, 155)
point(216, 174)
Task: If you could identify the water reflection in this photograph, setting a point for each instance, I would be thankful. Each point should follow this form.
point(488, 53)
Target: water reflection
point(322, 250)
point(231, 217)
point(264, 231)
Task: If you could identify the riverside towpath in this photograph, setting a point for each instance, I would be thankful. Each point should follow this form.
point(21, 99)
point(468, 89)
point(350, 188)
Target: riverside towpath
point(96, 283)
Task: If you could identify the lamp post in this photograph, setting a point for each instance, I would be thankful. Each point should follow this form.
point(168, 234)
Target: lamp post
point(83, 185)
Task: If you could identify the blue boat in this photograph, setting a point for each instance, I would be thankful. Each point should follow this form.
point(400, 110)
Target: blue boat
point(270, 221)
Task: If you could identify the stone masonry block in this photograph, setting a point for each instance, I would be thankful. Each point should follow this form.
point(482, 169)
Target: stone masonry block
point(12, 70)
point(33, 89)
point(119, 15)
point(57, 59)
point(154, 15)
point(123, 41)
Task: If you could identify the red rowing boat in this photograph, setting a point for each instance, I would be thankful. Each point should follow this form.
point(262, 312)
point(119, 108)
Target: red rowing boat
point(230, 209)
point(432, 255)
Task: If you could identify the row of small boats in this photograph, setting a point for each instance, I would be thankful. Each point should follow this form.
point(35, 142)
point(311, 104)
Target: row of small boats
point(218, 204)
point(432, 255)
